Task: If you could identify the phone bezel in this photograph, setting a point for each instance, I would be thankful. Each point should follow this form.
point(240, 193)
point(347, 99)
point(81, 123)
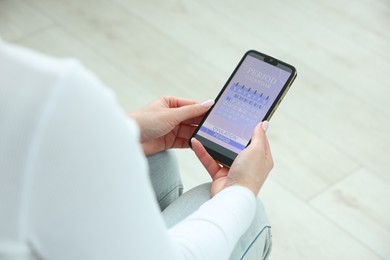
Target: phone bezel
point(219, 153)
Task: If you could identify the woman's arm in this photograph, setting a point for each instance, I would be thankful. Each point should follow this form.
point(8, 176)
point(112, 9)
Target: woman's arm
point(91, 197)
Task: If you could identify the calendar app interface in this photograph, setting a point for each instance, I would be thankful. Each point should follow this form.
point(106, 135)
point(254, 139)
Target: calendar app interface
point(244, 103)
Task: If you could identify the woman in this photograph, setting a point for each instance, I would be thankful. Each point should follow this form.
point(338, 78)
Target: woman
point(74, 180)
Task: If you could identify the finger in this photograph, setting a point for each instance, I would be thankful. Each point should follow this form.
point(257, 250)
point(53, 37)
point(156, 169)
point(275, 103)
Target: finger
point(267, 146)
point(189, 112)
point(268, 152)
point(180, 143)
point(207, 161)
point(258, 136)
point(261, 140)
point(193, 121)
point(174, 102)
point(185, 131)
point(265, 126)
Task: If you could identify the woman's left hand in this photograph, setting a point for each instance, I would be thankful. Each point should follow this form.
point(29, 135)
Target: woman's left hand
point(169, 122)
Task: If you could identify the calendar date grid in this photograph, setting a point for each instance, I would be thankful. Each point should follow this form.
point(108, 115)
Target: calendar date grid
point(242, 103)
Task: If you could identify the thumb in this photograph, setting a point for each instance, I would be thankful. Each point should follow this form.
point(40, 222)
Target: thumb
point(193, 111)
point(258, 136)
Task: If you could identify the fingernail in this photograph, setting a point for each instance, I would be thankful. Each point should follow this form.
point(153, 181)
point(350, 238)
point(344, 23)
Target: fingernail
point(265, 125)
point(208, 103)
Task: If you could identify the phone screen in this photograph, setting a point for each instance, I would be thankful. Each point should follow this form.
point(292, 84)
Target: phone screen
point(247, 98)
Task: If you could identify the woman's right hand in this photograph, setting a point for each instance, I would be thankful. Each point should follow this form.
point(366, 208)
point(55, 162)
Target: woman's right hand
point(250, 169)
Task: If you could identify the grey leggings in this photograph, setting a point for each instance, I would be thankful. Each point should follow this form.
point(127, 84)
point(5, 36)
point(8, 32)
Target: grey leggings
point(255, 243)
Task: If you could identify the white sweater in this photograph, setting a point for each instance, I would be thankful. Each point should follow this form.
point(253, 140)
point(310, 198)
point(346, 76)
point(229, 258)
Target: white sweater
point(73, 179)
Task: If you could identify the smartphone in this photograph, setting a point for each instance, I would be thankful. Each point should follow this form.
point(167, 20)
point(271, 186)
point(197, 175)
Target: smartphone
point(250, 96)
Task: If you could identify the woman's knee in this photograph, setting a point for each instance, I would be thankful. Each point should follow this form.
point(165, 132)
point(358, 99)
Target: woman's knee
point(256, 242)
point(165, 177)
point(188, 203)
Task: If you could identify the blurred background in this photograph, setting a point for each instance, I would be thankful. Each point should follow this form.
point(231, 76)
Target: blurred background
point(328, 196)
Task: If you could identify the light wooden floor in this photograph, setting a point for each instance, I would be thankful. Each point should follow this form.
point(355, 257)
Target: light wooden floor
point(329, 193)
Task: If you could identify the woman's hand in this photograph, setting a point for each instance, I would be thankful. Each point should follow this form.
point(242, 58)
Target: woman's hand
point(169, 122)
point(249, 169)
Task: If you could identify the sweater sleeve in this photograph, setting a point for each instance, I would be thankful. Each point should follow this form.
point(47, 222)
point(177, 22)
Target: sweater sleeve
point(213, 230)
